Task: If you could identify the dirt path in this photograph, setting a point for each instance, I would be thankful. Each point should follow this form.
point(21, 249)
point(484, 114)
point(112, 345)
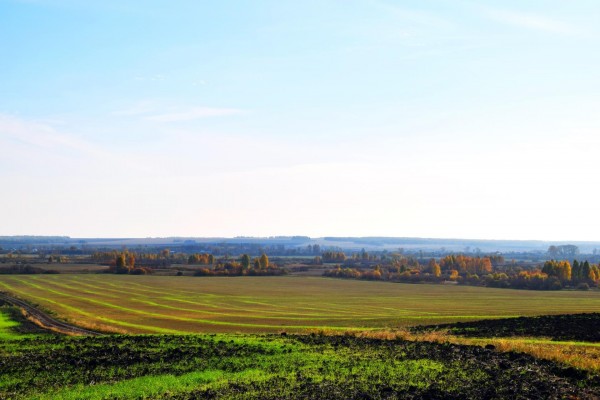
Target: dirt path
point(44, 320)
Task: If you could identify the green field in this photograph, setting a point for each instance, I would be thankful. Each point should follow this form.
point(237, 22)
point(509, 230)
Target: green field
point(170, 304)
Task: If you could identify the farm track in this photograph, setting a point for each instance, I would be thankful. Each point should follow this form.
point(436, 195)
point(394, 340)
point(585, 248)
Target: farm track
point(45, 320)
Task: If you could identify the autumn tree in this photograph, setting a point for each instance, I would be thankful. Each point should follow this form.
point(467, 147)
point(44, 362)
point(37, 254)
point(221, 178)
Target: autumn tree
point(434, 268)
point(375, 274)
point(263, 261)
point(121, 262)
point(564, 272)
point(594, 274)
point(131, 260)
point(199, 259)
point(245, 261)
point(559, 269)
point(334, 256)
point(466, 264)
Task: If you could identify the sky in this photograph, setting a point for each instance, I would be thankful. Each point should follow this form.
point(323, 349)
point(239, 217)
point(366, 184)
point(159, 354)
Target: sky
point(429, 118)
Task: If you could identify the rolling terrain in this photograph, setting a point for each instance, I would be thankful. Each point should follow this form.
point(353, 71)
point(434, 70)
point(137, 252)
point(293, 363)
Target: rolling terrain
point(236, 338)
point(169, 304)
point(226, 366)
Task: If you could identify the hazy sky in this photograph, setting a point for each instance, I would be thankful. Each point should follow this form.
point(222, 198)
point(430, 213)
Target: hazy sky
point(476, 119)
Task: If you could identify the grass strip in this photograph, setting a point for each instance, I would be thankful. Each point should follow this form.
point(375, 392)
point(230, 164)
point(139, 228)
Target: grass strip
point(155, 386)
point(7, 327)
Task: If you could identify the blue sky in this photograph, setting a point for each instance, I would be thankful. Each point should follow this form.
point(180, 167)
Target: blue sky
point(371, 117)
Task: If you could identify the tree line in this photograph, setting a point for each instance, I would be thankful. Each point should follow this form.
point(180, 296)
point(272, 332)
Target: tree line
point(244, 265)
point(552, 275)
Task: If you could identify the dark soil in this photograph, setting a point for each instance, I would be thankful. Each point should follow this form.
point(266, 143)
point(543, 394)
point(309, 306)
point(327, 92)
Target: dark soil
point(308, 366)
point(569, 327)
point(324, 367)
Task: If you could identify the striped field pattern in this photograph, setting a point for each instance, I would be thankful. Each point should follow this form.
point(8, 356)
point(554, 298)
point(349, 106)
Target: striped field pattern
point(170, 304)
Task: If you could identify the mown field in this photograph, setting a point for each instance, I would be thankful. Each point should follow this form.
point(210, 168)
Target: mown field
point(170, 304)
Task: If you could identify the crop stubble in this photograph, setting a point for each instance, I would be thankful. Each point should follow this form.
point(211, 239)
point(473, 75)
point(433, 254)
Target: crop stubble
point(168, 304)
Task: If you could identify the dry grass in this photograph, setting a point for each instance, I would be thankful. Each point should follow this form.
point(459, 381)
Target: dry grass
point(579, 355)
point(39, 323)
point(99, 327)
point(434, 336)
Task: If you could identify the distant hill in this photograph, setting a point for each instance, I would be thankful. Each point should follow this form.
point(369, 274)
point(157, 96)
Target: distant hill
point(374, 243)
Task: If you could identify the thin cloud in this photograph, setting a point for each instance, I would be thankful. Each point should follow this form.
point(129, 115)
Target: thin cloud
point(38, 146)
point(529, 21)
point(42, 136)
point(195, 113)
point(157, 111)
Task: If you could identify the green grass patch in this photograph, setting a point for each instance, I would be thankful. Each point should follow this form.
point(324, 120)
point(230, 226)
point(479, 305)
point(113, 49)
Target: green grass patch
point(155, 386)
point(14, 326)
point(7, 327)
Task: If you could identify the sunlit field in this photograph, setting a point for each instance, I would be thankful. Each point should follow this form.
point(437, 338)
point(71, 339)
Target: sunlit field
point(169, 304)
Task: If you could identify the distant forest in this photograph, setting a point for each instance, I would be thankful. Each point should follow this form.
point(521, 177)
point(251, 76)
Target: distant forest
point(493, 270)
point(301, 246)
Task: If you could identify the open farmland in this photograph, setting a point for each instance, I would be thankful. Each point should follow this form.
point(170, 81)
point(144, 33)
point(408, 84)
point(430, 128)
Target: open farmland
point(274, 367)
point(169, 304)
